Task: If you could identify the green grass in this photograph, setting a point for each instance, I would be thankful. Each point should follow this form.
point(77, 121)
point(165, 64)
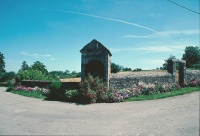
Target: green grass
point(164, 95)
point(35, 94)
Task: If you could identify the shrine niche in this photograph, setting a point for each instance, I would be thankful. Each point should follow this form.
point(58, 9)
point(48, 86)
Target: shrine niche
point(95, 59)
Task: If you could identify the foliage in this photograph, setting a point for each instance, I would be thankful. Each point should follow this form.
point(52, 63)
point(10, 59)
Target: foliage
point(72, 95)
point(116, 96)
point(174, 92)
point(196, 66)
point(39, 67)
point(32, 74)
point(126, 69)
point(66, 74)
point(115, 68)
point(191, 56)
point(35, 92)
point(56, 92)
point(140, 90)
point(193, 83)
point(8, 79)
point(24, 66)
point(137, 69)
point(2, 65)
point(168, 62)
point(8, 76)
point(93, 90)
point(55, 85)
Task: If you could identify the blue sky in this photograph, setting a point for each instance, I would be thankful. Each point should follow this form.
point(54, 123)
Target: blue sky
point(139, 33)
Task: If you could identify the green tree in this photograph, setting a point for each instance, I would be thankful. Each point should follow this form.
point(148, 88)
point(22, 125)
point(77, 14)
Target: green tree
point(56, 74)
point(24, 66)
point(191, 56)
point(168, 60)
point(40, 67)
point(9, 76)
point(31, 74)
point(115, 68)
point(2, 65)
point(67, 72)
point(126, 69)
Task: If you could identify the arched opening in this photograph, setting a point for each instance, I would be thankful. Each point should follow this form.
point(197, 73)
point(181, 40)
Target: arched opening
point(95, 68)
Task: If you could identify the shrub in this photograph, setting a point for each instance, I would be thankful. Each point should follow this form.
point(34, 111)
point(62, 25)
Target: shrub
point(93, 90)
point(9, 89)
point(56, 92)
point(72, 95)
point(192, 83)
point(32, 74)
point(55, 85)
point(115, 68)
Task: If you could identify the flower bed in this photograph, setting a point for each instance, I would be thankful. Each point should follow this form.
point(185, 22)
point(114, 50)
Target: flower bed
point(104, 95)
point(141, 89)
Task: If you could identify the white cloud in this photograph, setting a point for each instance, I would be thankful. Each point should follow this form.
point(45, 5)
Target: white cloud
point(166, 34)
point(106, 18)
point(36, 55)
point(152, 49)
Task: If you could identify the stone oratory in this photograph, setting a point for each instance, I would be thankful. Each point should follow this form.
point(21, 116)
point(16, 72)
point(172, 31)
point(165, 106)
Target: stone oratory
point(95, 59)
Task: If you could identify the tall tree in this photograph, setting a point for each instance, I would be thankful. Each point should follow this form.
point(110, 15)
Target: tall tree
point(2, 65)
point(191, 55)
point(40, 67)
point(24, 66)
point(168, 60)
point(115, 68)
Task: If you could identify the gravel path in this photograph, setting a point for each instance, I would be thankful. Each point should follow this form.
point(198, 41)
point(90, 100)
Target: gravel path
point(177, 116)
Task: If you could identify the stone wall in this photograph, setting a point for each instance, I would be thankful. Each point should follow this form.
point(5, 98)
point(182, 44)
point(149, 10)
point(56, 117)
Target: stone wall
point(192, 74)
point(129, 79)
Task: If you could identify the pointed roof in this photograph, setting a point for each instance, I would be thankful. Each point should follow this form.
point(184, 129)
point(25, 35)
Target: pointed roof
point(95, 46)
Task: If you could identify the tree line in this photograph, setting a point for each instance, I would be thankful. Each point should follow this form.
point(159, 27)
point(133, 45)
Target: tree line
point(38, 70)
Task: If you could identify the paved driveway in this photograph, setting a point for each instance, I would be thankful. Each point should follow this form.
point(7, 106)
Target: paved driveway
point(21, 115)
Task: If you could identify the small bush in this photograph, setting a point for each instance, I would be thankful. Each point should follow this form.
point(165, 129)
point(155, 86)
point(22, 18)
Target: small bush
point(193, 83)
point(56, 92)
point(55, 85)
point(72, 95)
point(9, 89)
point(93, 90)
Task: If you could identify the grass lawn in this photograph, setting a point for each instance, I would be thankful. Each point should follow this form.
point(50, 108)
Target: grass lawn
point(165, 95)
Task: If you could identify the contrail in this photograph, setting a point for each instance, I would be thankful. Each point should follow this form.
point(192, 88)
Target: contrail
point(106, 18)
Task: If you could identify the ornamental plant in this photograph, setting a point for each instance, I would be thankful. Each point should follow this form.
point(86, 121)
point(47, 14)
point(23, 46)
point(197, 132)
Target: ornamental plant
point(92, 89)
point(56, 92)
point(72, 95)
point(29, 89)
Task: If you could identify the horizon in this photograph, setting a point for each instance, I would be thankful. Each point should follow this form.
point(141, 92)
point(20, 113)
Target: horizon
point(139, 34)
